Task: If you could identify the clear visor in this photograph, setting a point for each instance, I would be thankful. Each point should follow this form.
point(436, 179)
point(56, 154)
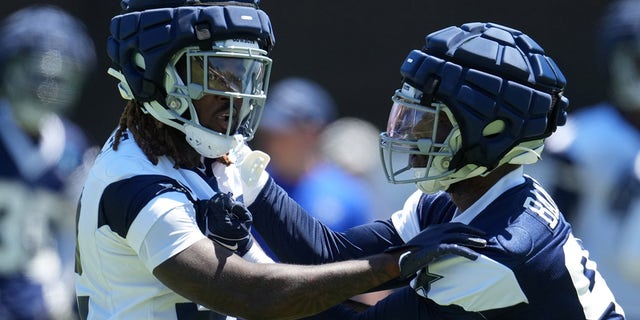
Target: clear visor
point(226, 75)
point(415, 136)
point(411, 121)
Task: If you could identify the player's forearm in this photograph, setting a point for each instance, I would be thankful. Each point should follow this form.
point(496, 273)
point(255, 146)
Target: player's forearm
point(291, 294)
point(210, 275)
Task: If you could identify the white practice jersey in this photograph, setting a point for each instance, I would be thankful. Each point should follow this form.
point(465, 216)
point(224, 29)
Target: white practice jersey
point(133, 216)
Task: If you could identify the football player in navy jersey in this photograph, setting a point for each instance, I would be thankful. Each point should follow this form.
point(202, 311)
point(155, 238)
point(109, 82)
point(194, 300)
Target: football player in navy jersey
point(161, 231)
point(476, 104)
point(45, 56)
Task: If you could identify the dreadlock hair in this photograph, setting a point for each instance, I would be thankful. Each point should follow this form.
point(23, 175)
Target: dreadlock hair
point(157, 139)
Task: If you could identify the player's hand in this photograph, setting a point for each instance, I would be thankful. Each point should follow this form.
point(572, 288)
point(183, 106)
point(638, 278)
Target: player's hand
point(437, 241)
point(225, 221)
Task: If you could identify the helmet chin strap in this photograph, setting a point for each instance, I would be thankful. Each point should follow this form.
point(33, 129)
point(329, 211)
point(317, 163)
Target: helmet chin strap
point(206, 142)
point(429, 186)
point(211, 144)
point(464, 173)
point(521, 154)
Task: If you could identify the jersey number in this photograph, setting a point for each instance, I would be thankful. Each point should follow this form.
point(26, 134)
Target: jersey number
point(540, 205)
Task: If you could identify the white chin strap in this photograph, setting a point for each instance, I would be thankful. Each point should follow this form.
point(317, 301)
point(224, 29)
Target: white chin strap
point(210, 144)
point(520, 155)
point(429, 186)
point(464, 173)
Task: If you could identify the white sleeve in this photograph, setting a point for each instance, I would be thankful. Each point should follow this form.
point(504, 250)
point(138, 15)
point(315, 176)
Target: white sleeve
point(406, 220)
point(163, 228)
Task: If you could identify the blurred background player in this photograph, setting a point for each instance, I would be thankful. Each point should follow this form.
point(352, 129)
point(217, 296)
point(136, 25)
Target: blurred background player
point(45, 55)
point(589, 163)
point(296, 114)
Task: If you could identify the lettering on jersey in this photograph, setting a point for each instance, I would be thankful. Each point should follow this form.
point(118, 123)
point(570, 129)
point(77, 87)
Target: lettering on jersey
point(540, 203)
point(171, 187)
point(244, 40)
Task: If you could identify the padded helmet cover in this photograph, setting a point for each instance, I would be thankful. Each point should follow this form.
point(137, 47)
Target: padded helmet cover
point(486, 72)
point(156, 30)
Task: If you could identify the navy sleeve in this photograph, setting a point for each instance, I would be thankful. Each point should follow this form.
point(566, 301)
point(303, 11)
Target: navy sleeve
point(403, 304)
point(296, 237)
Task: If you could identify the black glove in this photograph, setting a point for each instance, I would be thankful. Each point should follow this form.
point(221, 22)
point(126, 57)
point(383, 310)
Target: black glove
point(225, 221)
point(436, 241)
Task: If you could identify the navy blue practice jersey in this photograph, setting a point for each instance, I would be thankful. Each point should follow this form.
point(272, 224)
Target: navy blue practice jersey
point(40, 181)
point(532, 268)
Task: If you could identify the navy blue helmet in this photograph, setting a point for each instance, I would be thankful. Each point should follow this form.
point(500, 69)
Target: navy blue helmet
point(619, 23)
point(157, 46)
point(475, 97)
point(618, 52)
point(42, 28)
point(45, 56)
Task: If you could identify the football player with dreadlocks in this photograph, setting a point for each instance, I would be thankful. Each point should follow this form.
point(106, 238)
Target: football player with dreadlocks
point(159, 234)
point(475, 106)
